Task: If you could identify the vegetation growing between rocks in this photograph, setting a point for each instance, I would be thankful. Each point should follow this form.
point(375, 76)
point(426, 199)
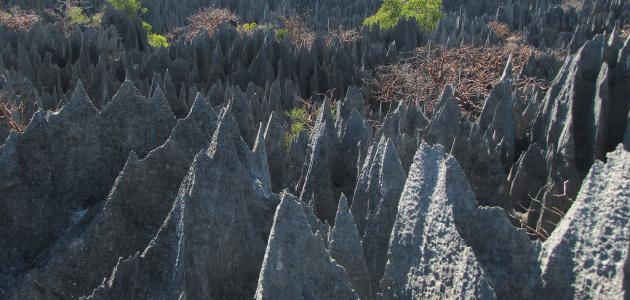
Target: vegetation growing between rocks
point(248, 26)
point(208, 19)
point(304, 118)
point(77, 16)
point(298, 121)
point(205, 143)
point(134, 9)
point(71, 14)
point(426, 12)
point(155, 40)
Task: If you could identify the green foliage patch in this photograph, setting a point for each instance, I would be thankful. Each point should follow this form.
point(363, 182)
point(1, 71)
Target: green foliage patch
point(157, 40)
point(147, 26)
point(282, 33)
point(133, 8)
point(426, 12)
point(299, 119)
point(248, 26)
point(76, 16)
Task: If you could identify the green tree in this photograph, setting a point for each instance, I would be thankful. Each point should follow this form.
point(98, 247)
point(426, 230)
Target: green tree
point(282, 33)
point(426, 12)
point(299, 119)
point(248, 26)
point(157, 40)
point(76, 16)
point(132, 8)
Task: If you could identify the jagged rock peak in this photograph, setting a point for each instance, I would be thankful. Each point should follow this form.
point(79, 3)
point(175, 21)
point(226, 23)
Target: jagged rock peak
point(200, 107)
point(317, 181)
point(79, 105)
point(296, 263)
point(353, 100)
point(447, 98)
point(160, 103)
point(588, 255)
point(345, 248)
point(126, 92)
point(427, 256)
point(382, 209)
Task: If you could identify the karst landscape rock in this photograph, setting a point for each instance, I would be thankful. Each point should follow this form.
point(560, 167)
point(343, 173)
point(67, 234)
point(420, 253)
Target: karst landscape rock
point(288, 150)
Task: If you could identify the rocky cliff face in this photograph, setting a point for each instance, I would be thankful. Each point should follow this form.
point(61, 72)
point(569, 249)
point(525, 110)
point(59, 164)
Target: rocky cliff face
point(172, 173)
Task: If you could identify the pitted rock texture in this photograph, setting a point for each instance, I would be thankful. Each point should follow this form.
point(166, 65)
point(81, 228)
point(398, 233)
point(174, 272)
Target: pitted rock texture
point(588, 254)
point(427, 255)
point(133, 172)
point(296, 263)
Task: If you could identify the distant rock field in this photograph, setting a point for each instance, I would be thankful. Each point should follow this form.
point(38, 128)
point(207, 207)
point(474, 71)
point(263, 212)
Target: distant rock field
point(251, 160)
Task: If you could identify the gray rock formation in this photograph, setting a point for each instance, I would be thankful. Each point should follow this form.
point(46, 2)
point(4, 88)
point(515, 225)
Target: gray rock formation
point(485, 230)
point(384, 192)
point(587, 255)
point(130, 217)
point(345, 248)
point(215, 212)
point(166, 200)
point(276, 152)
point(497, 121)
point(427, 256)
point(526, 178)
point(473, 152)
point(296, 263)
point(580, 118)
point(317, 180)
point(64, 163)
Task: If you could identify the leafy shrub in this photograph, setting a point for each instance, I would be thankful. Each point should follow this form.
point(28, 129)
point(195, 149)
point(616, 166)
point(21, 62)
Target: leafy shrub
point(147, 26)
point(71, 14)
point(133, 8)
point(248, 26)
point(157, 40)
point(97, 18)
point(426, 12)
point(305, 117)
point(299, 119)
point(282, 33)
point(76, 16)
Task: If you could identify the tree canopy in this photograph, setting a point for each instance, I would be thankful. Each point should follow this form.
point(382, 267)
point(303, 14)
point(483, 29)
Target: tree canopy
point(426, 12)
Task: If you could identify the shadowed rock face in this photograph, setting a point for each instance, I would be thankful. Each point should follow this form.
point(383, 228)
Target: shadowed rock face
point(66, 162)
point(345, 248)
point(5, 129)
point(224, 207)
point(125, 184)
point(139, 201)
point(385, 189)
point(318, 175)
